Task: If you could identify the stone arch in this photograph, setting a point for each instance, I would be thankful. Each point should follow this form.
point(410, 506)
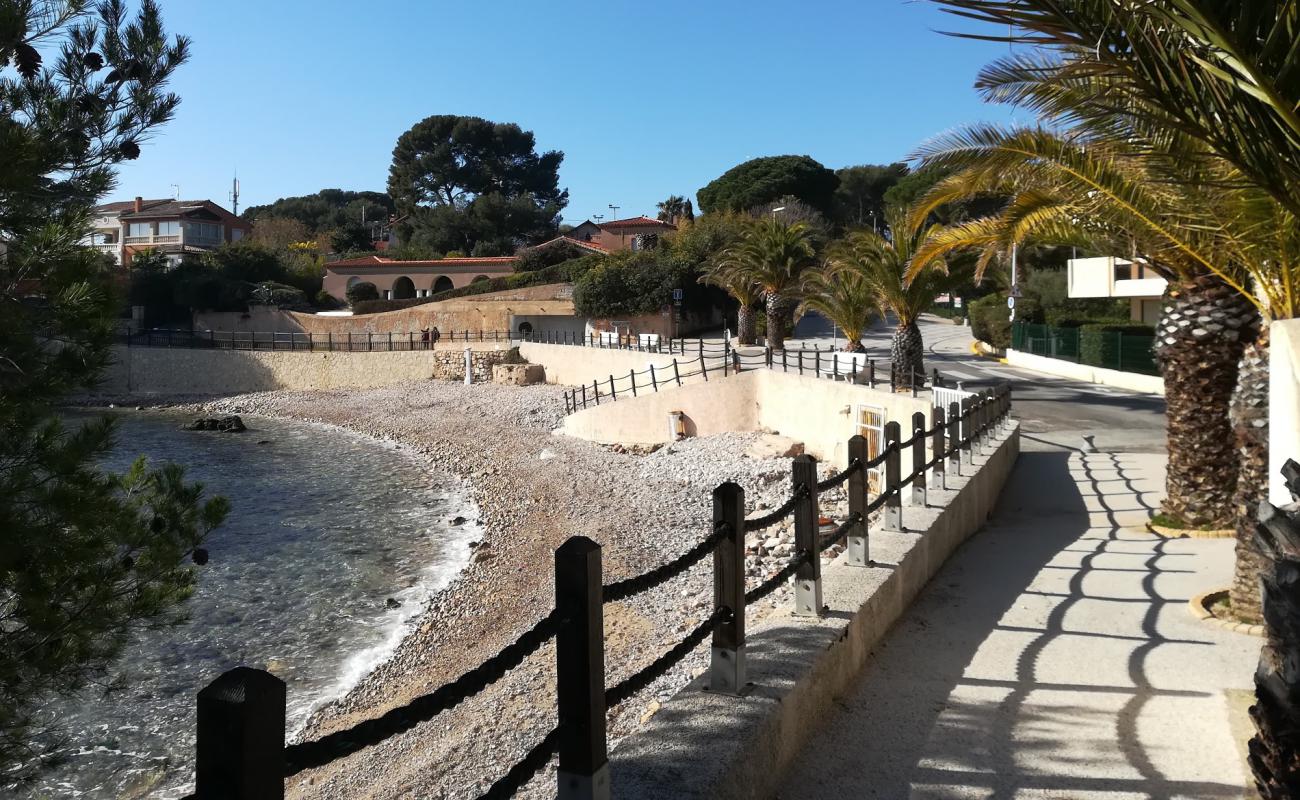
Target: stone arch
point(403, 288)
point(442, 284)
point(353, 281)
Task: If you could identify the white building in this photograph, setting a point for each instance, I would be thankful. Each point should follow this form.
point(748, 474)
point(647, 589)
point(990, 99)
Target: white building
point(1120, 278)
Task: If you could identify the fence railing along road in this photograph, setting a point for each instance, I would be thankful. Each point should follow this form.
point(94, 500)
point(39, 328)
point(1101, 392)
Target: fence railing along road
point(240, 747)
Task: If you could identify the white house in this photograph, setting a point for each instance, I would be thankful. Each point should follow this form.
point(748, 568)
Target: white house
point(1120, 278)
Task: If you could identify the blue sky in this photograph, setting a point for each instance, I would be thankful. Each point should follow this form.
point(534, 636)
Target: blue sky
point(645, 100)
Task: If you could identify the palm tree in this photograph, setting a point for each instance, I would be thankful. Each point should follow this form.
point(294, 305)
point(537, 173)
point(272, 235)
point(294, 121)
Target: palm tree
point(843, 293)
point(1225, 76)
point(899, 282)
point(774, 255)
point(747, 293)
point(676, 208)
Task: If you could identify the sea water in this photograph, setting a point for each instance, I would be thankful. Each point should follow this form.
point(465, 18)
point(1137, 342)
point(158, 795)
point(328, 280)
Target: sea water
point(325, 527)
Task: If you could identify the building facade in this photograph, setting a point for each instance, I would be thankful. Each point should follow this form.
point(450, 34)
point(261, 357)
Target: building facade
point(176, 227)
point(1120, 278)
point(400, 280)
point(620, 234)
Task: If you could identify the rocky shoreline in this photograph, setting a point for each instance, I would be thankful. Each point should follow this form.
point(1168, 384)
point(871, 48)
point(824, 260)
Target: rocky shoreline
point(534, 490)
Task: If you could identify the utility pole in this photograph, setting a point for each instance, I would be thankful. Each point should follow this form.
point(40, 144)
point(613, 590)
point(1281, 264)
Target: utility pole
point(615, 209)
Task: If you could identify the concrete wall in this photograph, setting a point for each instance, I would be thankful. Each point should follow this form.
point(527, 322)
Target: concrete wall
point(165, 371)
point(818, 412)
point(711, 745)
point(576, 366)
point(1283, 404)
point(1134, 382)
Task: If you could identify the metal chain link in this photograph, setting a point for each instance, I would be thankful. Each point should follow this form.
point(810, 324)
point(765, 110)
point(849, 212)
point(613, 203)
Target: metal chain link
point(634, 683)
point(759, 523)
point(305, 755)
point(836, 480)
point(621, 590)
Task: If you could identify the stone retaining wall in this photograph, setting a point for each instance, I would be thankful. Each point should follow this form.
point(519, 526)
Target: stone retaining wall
point(181, 371)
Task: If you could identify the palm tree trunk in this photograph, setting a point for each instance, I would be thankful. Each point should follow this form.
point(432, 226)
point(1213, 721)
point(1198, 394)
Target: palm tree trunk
point(777, 309)
point(1203, 329)
point(1250, 424)
point(906, 356)
point(746, 325)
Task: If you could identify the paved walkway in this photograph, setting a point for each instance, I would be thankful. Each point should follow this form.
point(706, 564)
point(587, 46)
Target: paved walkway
point(1054, 655)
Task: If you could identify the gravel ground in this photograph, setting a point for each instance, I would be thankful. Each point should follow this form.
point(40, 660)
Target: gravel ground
point(534, 490)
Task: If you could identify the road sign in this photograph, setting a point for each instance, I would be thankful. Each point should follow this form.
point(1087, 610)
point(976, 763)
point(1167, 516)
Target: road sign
point(1015, 290)
point(677, 295)
point(1011, 303)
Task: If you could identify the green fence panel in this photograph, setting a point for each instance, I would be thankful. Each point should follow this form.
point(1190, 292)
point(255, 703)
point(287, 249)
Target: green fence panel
point(1126, 352)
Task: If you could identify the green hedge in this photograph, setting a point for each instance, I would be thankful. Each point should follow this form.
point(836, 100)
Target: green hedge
point(990, 318)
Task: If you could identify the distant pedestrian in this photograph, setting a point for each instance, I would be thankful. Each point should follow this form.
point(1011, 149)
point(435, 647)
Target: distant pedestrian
point(424, 338)
point(435, 335)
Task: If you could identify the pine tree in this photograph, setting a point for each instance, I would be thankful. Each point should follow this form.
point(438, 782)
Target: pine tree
point(85, 556)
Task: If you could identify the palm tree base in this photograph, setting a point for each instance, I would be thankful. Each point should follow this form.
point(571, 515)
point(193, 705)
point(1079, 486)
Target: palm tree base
point(1250, 424)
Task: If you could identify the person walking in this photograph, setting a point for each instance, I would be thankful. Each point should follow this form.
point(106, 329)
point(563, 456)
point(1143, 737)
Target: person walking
point(424, 338)
point(435, 336)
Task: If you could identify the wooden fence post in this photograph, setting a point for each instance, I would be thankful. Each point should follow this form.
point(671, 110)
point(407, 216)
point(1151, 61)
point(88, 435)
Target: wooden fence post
point(937, 451)
point(580, 672)
point(596, 387)
point(677, 373)
point(954, 438)
point(727, 668)
point(631, 374)
point(612, 391)
point(808, 578)
point(857, 542)
point(239, 749)
point(893, 520)
point(967, 427)
point(654, 382)
point(918, 458)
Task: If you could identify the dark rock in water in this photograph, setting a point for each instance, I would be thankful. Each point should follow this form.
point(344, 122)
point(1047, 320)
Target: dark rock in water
point(199, 556)
point(230, 424)
point(393, 602)
point(458, 520)
point(263, 441)
point(139, 408)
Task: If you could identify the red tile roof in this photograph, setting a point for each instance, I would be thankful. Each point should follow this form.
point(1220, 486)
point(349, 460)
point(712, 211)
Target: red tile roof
point(376, 261)
point(637, 222)
point(592, 246)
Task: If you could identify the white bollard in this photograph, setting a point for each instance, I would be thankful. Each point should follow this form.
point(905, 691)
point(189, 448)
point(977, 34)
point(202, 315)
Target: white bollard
point(469, 366)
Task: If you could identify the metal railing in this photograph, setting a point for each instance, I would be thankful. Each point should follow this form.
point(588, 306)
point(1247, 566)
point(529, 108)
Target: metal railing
point(240, 749)
point(1118, 350)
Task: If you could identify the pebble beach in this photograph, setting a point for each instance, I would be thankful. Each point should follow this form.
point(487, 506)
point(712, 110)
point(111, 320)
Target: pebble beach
point(533, 489)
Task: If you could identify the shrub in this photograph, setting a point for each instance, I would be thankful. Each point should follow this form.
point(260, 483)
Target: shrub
point(539, 258)
point(326, 301)
point(361, 292)
point(270, 293)
point(1100, 343)
point(990, 319)
point(634, 283)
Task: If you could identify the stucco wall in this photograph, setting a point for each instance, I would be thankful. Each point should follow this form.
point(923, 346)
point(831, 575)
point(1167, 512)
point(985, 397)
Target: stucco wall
point(1134, 382)
point(1283, 404)
point(575, 366)
point(818, 412)
point(159, 370)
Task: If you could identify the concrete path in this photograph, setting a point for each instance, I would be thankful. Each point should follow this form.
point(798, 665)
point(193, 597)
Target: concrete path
point(1054, 655)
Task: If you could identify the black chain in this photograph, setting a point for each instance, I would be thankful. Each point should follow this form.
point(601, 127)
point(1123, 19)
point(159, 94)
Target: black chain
point(524, 769)
point(770, 585)
point(646, 675)
point(880, 459)
point(621, 590)
point(839, 533)
point(305, 755)
point(879, 501)
point(836, 480)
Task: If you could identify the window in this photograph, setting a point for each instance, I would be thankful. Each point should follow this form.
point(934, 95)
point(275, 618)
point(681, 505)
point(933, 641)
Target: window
point(1123, 270)
point(139, 229)
point(870, 424)
point(236, 234)
point(169, 227)
point(204, 230)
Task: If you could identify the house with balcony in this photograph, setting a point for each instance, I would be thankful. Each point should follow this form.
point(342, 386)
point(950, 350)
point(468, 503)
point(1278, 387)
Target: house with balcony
point(620, 234)
point(176, 227)
point(1119, 278)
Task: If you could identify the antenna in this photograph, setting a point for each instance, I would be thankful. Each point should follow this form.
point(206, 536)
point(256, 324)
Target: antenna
point(176, 191)
point(615, 208)
point(234, 195)
point(598, 217)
